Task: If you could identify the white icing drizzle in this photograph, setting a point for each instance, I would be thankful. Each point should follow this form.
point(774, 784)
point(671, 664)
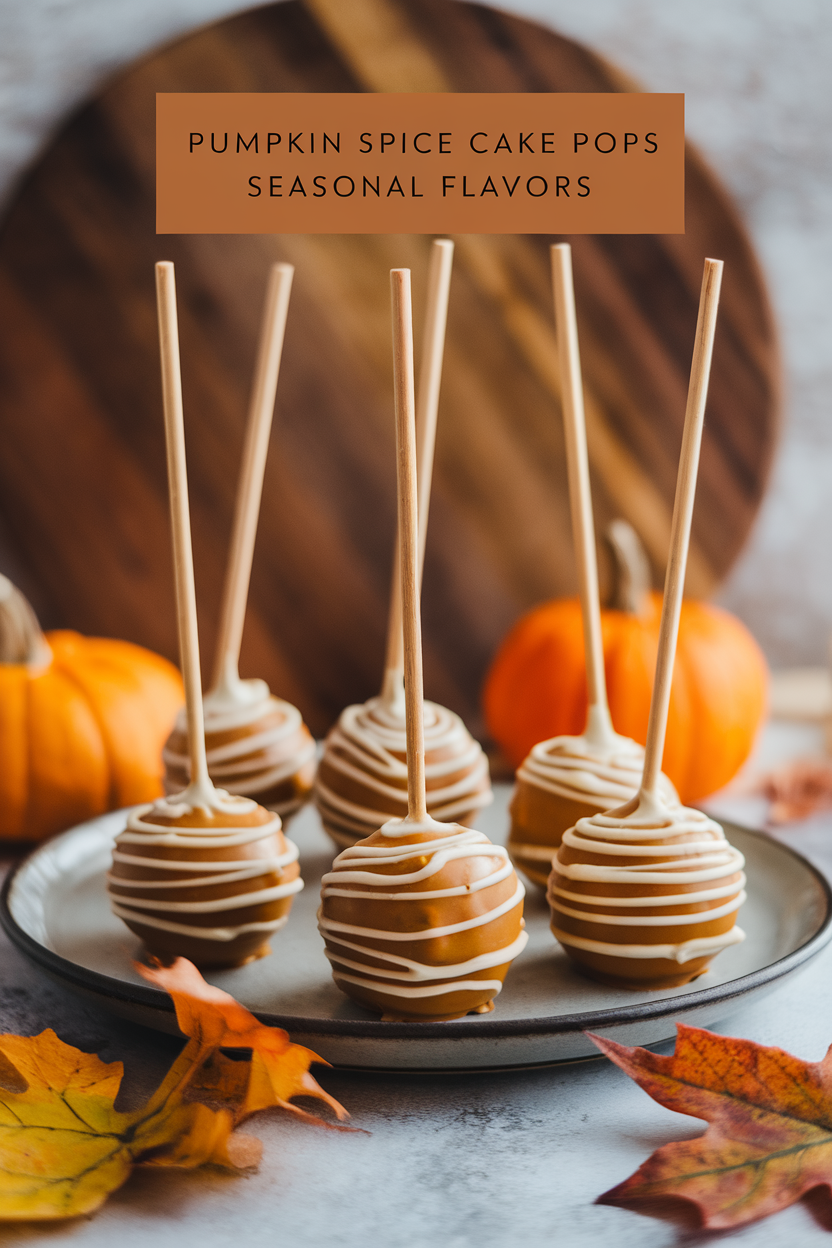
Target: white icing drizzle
point(703, 946)
point(400, 976)
point(363, 746)
point(143, 831)
point(230, 764)
point(705, 860)
point(584, 770)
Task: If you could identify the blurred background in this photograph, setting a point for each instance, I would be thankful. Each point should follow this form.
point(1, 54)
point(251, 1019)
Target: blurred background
point(755, 76)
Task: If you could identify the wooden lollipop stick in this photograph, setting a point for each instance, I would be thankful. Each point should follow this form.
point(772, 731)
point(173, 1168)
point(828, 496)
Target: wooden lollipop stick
point(250, 487)
point(680, 528)
point(430, 377)
point(427, 408)
point(580, 497)
point(200, 791)
point(405, 404)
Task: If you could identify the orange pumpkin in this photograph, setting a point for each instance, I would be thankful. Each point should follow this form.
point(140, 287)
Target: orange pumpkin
point(82, 723)
point(536, 686)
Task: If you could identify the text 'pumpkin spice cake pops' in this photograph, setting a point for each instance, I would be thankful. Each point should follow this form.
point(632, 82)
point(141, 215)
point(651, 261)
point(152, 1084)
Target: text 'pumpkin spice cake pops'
point(647, 894)
point(257, 745)
point(566, 778)
point(422, 919)
point(362, 776)
point(201, 874)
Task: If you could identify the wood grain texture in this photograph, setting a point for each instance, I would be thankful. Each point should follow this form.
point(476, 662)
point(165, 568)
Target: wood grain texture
point(82, 474)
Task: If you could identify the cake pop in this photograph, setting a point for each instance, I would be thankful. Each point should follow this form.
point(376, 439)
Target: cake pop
point(422, 919)
point(567, 778)
point(257, 744)
point(201, 875)
point(206, 882)
point(362, 776)
point(645, 895)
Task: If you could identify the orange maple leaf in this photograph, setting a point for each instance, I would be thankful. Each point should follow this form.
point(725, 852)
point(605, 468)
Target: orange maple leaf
point(212, 1019)
point(769, 1138)
point(64, 1147)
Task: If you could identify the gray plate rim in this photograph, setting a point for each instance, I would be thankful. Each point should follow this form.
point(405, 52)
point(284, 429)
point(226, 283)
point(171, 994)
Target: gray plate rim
point(105, 986)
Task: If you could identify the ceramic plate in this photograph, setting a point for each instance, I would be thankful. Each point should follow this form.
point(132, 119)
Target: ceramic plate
point(54, 907)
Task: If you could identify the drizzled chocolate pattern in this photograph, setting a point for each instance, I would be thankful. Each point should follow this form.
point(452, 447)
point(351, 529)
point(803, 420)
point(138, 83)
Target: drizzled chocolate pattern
point(573, 768)
point(259, 748)
point(646, 900)
point(422, 920)
point(209, 885)
point(563, 779)
point(362, 778)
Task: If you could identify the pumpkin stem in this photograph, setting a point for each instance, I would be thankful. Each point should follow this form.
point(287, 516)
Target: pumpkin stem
point(631, 569)
point(21, 639)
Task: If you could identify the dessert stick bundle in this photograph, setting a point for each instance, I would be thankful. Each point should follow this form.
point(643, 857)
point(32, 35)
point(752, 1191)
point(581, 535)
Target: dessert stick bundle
point(421, 919)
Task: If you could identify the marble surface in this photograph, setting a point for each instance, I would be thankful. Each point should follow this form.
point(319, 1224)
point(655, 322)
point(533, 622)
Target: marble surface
point(755, 74)
point(479, 1161)
point(463, 1162)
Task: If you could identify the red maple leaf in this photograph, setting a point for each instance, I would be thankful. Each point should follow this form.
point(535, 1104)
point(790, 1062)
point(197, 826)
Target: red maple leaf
point(769, 1136)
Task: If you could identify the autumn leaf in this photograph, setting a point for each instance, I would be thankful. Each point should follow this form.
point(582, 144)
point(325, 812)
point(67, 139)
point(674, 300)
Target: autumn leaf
point(769, 1138)
point(212, 1019)
point(64, 1147)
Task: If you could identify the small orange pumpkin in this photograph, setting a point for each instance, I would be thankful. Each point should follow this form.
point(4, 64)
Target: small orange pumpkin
point(82, 723)
point(536, 685)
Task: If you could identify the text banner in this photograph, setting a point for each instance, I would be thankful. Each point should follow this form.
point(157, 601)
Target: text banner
point(312, 163)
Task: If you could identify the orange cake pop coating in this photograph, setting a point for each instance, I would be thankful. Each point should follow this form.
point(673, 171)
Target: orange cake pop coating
point(422, 920)
point(567, 779)
point(259, 748)
point(208, 885)
point(646, 901)
point(362, 776)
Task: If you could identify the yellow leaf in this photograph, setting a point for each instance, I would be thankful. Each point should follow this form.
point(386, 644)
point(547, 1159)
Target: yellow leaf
point(63, 1145)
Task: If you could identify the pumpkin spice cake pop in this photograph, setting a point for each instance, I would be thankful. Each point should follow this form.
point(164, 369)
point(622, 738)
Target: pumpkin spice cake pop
point(200, 875)
point(645, 895)
point(421, 919)
point(257, 745)
point(566, 778)
point(362, 776)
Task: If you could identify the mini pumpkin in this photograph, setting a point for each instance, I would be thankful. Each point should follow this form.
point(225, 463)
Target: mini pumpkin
point(82, 723)
point(536, 685)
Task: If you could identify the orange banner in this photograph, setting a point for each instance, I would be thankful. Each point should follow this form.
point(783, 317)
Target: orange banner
point(338, 163)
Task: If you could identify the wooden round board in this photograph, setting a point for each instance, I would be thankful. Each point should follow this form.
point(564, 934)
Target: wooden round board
point(83, 506)
point(55, 909)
